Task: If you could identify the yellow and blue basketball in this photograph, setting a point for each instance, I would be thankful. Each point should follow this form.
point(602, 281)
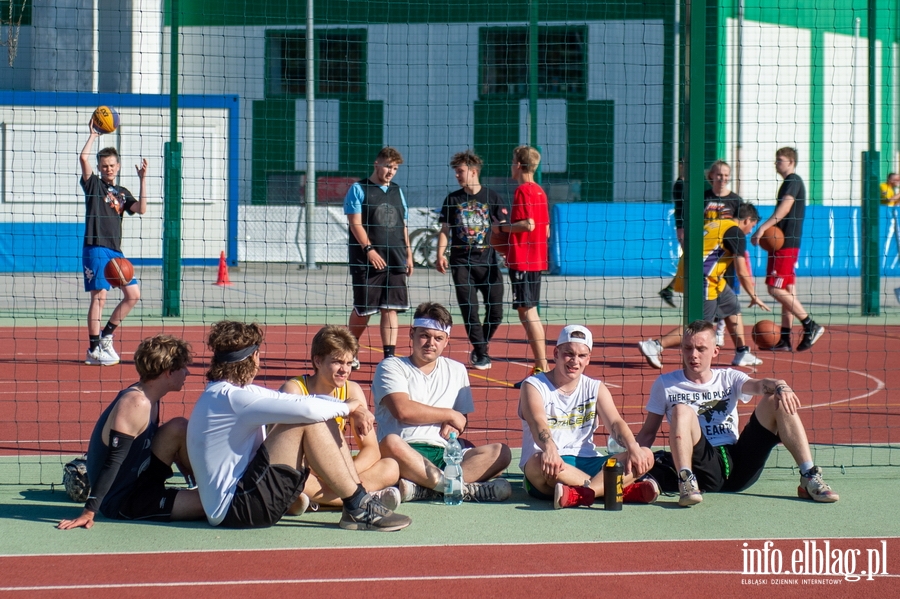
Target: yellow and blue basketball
point(105, 120)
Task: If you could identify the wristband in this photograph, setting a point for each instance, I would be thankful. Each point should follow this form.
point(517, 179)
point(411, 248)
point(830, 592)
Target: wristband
point(368, 249)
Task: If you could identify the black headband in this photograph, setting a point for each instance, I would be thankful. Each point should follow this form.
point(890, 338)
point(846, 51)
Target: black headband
point(238, 355)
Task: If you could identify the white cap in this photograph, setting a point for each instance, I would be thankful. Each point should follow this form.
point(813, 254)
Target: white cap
point(584, 336)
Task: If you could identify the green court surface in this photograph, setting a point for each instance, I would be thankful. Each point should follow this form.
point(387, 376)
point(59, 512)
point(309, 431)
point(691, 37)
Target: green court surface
point(768, 510)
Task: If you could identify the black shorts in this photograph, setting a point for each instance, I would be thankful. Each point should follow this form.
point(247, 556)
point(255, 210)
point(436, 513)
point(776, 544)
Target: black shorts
point(526, 288)
point(727, 468)
point(375, 290)
point(264, 493)
point(150, 499)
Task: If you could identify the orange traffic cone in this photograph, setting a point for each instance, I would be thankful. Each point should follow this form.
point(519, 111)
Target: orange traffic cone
point(222, 279)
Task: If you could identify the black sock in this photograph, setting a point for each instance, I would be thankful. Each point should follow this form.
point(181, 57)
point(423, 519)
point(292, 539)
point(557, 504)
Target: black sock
point(786, 334)
point(389, 351)
point(806, 322)
point(352, 502)
point(743, 348)
point(109, 329)
point(95, 341)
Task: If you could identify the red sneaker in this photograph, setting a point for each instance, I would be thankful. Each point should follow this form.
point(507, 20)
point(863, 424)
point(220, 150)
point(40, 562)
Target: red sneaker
point(565, 496)
point(642, 491)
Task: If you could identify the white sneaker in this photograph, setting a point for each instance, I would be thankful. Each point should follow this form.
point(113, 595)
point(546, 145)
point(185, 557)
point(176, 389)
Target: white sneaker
point(98, 357)
point(745, 358)
point(106, 344)
point(652, 350)
point(688, 490)
point(389, 497)
point(720, 333)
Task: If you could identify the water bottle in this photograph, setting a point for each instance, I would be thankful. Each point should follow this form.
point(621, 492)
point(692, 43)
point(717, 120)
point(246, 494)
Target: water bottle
point(612, 484)
point(453, 479)
point(612, 446)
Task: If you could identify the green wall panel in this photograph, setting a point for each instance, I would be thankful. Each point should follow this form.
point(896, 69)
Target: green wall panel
point(590, 131)
point(496, 134)
point(362, 136)
point(274, 142)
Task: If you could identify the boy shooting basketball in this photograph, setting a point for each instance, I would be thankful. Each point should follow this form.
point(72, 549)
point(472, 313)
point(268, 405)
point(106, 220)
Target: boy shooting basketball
point(105, 206)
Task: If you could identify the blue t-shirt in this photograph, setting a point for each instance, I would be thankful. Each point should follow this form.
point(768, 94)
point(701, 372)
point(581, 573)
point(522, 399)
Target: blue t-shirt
point(353, 201)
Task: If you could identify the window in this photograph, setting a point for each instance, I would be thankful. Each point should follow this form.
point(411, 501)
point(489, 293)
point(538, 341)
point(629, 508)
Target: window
point(560, 63)
point(340, 63)
point(20, 15)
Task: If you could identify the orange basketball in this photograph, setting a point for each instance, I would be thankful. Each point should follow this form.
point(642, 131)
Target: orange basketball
point(499, 241)
point(119, 272)
point(772, 239)
point(766, 334)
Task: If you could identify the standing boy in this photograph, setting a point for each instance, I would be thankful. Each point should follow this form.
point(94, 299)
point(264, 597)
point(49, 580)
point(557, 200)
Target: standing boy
point(130, 455)
point(466, 221)
point(105, 206)
point(380, 256)
point(781, 278)
point(529, 230)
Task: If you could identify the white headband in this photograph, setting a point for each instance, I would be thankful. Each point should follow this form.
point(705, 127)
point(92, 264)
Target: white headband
point(430, 323)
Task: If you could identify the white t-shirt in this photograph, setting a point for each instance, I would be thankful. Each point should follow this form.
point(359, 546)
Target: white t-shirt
point(714, 402)
point(572, 418)
point(227, 426)
point(447, 386)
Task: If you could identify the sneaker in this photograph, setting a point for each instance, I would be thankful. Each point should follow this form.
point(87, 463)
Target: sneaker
point(720, 333)
point(813, 487)
point(810, 336)
point(652, 350)
point(644, 490)
point(372, 515)
point(479, 361)
point(498, 489)
point(782, 345)
point(668, 296)
point(300, 506)
point(689, 490)
point(745, 358)
point(106, 344)
point(566, 496)
point(98, 357)
point(354, 365)
point(534, 371)
point(410, 491)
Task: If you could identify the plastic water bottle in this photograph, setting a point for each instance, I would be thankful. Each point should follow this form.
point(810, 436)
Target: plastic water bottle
point(612, 446)
point(612, 484)
point(453, 479)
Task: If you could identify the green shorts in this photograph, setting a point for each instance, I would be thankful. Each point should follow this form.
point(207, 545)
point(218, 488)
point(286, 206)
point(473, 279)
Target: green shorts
point(432, 453)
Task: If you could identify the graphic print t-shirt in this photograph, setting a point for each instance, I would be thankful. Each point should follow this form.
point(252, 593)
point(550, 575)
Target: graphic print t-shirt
point(715, 402)
point(469, 220)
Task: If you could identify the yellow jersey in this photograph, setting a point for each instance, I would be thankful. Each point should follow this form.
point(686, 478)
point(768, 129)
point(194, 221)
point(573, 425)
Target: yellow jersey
point(887, 192)
point(716, 259)
point(339, 393)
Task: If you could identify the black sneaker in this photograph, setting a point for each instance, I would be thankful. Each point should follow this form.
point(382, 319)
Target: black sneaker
point(668, 296)
point(782, 345)
point(372, 515)
point(480, 361)
point(810, 336)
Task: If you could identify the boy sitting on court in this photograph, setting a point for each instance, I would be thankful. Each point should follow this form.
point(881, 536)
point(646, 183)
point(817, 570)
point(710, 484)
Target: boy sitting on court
point(128, 437)
point(560, 410)
point(248, 479)
point(707, 452)
point(419, 401)
point(105, 206)
point(333, 350)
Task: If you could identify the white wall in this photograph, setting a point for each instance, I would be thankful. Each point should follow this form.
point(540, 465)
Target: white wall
point(41, 171)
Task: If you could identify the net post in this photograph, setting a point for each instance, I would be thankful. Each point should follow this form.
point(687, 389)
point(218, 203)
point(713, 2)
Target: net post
point(870, 259)
point(695, 98)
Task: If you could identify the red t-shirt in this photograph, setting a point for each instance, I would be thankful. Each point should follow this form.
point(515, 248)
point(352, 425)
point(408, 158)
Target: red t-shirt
point(528, 249)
